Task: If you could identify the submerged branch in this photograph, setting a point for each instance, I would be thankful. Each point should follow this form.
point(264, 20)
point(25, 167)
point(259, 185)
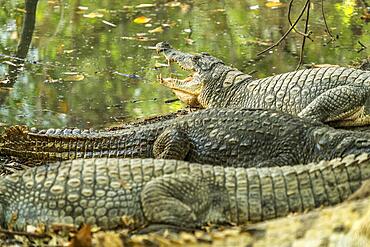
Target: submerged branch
point(305, 34)
point(323, 16)
point(287, 32)
point(304, 37)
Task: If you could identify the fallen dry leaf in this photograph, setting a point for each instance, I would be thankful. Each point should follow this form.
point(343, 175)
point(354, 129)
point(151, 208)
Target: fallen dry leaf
point(109, 239)
point(142, 20)
point(83, 237)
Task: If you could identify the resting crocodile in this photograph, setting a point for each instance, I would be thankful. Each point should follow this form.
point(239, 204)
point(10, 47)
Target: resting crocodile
point(217, 136)
point(136, 192)
point(332, 94)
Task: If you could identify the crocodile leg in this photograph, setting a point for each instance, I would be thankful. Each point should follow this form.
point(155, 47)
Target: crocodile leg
point(182, 200)
point(171, 144)
point(342, 105)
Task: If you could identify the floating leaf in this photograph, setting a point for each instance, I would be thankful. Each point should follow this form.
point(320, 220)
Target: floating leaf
point(156, 30)
point(109, 23)
point(21, 10)
point(173, 4)
point(93, 15)
point(145, 5)
point(274, 4)
point(189, 41)
point(75, 77)
point(160, 65)
point(142, 20)
point(218, 10)
point(185, 7)
point(138, 38)
point(83, 8)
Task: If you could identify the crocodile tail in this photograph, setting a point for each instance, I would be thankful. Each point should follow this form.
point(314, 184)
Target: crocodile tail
point(15, 132)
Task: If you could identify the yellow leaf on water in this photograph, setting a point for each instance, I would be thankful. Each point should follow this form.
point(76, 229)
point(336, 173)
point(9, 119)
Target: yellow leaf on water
point(142, 20)
point(160, 65)
point(77, 77)
point(93, 15)
point(274, 4)
point(156, 30)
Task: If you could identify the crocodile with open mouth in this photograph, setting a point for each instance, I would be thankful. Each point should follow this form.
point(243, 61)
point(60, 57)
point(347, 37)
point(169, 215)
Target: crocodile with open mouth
point(331, 94)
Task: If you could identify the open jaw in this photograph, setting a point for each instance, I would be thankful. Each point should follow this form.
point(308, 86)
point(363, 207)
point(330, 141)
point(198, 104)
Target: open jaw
point(188, 89)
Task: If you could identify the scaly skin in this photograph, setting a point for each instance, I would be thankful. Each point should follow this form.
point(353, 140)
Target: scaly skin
point(136, 192)
point(332, 94)
point(228, 137)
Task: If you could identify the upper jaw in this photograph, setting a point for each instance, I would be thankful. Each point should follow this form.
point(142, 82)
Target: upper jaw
point(184, 60)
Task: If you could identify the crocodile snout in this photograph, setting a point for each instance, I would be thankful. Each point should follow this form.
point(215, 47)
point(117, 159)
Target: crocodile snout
point(162, 46)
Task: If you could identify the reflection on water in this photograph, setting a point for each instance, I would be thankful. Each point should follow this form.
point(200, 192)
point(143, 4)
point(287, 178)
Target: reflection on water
point(91, 64)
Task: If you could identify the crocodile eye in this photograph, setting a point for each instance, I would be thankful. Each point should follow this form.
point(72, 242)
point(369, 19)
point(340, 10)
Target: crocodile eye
point(196, 58)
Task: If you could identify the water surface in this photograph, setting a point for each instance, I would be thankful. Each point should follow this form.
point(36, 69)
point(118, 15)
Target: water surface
point(90, 64)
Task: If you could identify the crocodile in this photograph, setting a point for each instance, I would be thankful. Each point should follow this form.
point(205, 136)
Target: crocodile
point(133, 193)
point(335, 95)
point(218, 136)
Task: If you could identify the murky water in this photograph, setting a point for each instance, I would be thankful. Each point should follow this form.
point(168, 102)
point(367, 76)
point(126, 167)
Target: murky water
point(90, 64)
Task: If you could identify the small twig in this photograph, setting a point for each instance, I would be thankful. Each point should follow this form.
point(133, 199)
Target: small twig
point(287, 32)
point(27, 234)
point(290, 22)
point(169, 101)
point(363, 47)
point(326, 24)
point(191, 30)
point(304, 37)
